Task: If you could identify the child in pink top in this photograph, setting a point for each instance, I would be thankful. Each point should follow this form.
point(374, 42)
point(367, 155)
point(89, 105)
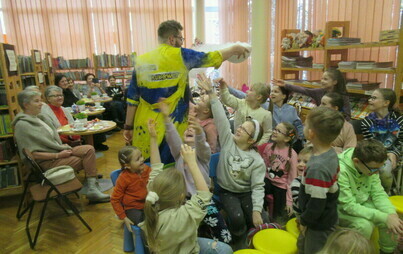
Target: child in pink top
point(281, 163)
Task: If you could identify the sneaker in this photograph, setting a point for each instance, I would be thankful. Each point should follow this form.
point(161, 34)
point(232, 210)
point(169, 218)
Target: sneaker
point(101, 147)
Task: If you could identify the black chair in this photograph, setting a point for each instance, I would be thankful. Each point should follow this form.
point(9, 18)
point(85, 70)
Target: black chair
point(44, 193)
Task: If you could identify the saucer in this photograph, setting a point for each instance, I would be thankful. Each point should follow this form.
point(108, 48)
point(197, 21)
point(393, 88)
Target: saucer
point(79, 130)
point(99, 108)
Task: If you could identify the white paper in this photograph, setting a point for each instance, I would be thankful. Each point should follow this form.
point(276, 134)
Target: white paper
point(49, 61)
point(11, 58)
point(37, 57)
point(40, 77)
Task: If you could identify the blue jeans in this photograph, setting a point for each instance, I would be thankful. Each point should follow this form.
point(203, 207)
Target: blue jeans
point(209, 246)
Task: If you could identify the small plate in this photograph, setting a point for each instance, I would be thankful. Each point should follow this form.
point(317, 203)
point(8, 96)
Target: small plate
point(79, 130)
point(99, 108)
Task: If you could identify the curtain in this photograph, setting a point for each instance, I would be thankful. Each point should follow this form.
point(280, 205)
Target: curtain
point(77, 29)
point(367, 18)
point(234, 24)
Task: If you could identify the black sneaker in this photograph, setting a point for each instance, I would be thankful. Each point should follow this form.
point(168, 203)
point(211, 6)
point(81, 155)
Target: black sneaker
point(101, 147)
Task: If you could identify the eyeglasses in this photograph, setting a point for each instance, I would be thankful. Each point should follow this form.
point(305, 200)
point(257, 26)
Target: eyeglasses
point(243, 128)
point(373, 98)
point(372, 170)
point(180, 38)
point(56, 95)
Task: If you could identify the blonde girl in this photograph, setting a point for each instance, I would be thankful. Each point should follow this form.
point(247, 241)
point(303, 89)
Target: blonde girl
point(171, 223)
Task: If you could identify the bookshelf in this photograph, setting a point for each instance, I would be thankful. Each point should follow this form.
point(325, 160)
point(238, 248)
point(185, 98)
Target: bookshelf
point(107, 64)
point(38, 69)
point(48, 69)
point(332, 55)
point(10, 168)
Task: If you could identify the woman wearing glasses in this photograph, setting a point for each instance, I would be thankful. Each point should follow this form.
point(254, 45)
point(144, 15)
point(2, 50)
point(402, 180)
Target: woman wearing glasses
point(60, 115)
point(385, 124)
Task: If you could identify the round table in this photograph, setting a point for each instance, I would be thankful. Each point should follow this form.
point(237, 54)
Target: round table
point(97, 127)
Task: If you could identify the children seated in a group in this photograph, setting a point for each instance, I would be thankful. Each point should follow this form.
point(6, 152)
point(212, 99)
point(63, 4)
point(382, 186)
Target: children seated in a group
point(347, 137)
point(170, 223)
point(205, 115)
point(249, 107)
point(332, 81)
point(319, 189)
point(240, 170)
point(281, 164)
point(194, 137)
point(363, 203)
point(130, 191)
point(303, 158)
point(385, 124)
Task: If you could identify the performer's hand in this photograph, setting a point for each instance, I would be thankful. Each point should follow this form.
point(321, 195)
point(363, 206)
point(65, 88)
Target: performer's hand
point(127, 135)
point(221, 81)
point(205, 83)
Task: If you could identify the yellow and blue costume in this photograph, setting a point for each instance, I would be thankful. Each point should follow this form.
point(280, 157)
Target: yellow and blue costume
point(163, 73)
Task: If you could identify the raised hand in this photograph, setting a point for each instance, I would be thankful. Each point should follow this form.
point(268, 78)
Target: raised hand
point(278, 82)
point(188, 154)
point(195, 124)
point(151, 128)
point(221, 82)
point(205, 83)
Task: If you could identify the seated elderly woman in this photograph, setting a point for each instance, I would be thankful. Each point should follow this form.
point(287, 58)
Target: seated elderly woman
point(59, 115)
point(37, 133)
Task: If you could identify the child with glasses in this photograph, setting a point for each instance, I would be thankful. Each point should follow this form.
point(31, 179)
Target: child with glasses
point(281, 165)
point(385, 124)
point(250, 106)
point(240, 170)
point(363, 203)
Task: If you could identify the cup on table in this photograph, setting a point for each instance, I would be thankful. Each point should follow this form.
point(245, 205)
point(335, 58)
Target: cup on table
point(104, 95)
point(97, 104)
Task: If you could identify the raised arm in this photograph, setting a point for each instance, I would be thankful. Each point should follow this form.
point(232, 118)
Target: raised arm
point(203, 150)
point(237, 50)
point(189, 156)
point(227, 98)
point(154, 151)
point(171, 134)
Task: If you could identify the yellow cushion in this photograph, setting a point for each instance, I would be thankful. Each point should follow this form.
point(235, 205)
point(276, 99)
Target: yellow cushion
point(273, 241)
point(248, 251)
point(292, 227)
point(397, 201)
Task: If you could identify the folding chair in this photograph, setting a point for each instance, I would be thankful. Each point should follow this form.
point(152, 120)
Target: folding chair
point(45, 192)
point(128, 245)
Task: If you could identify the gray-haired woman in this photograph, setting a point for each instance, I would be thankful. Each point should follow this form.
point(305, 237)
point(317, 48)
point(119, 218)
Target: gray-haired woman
point(37, 133)
point(59, 115)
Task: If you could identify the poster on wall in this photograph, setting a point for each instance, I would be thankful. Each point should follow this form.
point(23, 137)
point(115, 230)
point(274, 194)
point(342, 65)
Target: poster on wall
point(11, 59)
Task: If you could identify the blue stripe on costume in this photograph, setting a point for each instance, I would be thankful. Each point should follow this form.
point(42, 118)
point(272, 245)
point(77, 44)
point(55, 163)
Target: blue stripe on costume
point(178, 115)
point(151, 95)
point(192, 58)
point(133, 91)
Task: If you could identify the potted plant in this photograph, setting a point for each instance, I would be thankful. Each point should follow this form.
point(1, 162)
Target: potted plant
point(82, 117)
point(94, 95)
point(81, 105)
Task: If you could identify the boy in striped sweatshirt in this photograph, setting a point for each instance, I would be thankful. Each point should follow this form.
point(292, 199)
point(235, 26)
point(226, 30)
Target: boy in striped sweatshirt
point(319, 188)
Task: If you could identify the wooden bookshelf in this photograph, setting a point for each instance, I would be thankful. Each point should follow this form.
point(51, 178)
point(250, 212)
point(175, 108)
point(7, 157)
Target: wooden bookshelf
point(48, 69)
point(13, 84)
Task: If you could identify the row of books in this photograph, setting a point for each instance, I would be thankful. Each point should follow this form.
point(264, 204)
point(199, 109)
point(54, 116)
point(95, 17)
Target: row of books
point(5, 124)
point(342, 41)
point(75, 75)
point(61, 63)
point(9, 176)
point(363, 85)
point(7, 150)
point(102, 74)
point(365, 65)
point(109, 60)
point(25, 64)
point(123, 74)
point(28, 81)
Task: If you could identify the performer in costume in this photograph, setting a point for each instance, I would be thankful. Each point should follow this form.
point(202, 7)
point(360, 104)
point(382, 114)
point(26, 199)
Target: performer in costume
point(163, 73)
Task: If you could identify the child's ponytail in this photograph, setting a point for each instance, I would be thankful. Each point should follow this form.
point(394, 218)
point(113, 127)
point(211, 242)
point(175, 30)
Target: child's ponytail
point(150, 223)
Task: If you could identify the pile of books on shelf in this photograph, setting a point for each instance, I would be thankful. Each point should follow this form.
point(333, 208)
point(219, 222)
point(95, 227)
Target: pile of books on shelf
point(389, 36)
point(102, 74)
point(365, 65)
point(61, 63)
point(303, 100)
point(123, 74)
point(109, 60)
point(9, 176)
point(25, 64)
point(296, 62)
point(359, 107)
point(5, 124)
point(342, 41)
point(363, 85)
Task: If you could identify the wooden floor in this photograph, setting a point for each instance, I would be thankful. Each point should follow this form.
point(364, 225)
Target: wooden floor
point(66, 234)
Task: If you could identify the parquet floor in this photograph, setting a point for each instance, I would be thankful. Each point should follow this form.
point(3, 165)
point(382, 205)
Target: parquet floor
point(66, 234)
